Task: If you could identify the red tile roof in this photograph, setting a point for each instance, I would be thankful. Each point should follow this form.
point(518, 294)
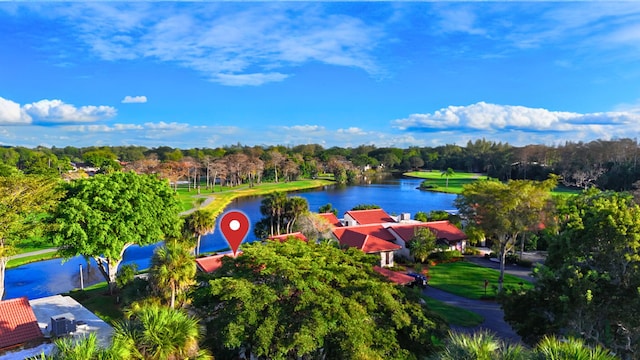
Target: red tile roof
point(394, 276)
point(298, 235)
point(371, 216)
point(18, 323)
point(331, 218)
point(368, 238)
point(211, 263)
point(443, 230)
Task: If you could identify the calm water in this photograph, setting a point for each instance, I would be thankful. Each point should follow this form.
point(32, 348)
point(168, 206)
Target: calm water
point(395, 196)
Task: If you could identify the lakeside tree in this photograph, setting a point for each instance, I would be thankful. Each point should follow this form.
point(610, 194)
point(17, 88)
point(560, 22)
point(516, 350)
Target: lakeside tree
point(23, 199)
point(589, 285)
point(447, 174)
point(199, 223)
point(295, 300)
point(280, 214)
point(102, 216)
point(504, 210)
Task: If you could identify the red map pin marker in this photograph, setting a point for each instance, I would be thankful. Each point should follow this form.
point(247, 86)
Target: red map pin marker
point(234, 226)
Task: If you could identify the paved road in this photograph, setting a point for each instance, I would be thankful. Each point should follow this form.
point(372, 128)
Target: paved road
point(490, 310)
point(208, 199)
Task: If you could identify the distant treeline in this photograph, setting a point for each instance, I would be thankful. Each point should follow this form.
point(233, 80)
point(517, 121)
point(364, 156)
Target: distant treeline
point(607, 164)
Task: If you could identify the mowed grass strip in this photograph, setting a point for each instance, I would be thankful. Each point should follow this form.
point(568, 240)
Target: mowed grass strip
point(223, 197)
point(439, 181)
point(453, 315)
point(467, 279)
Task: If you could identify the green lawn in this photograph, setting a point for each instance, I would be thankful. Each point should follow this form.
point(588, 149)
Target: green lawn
point(225, 195)
point(439, 182)
point(29, 259)
point(466, 279)
point(453, 314)
point(96, 298)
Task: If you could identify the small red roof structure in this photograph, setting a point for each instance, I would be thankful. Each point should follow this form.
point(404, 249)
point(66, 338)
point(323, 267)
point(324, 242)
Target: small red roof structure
point(371, 216)
point(394, 276)
point(211, 263)
point(18, 323)
point(284, 237)
point(444, 230)
point(368, 238)
point(331, 218)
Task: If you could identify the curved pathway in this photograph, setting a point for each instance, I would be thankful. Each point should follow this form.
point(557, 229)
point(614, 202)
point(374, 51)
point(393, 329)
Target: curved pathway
point(490, 310)
point(208, 200)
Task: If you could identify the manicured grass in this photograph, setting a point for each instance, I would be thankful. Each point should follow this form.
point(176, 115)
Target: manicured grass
point(439, 182)
point(453, 314)
point(29, 259)
point(223, 197)
point(466, 279)
point(97, 299)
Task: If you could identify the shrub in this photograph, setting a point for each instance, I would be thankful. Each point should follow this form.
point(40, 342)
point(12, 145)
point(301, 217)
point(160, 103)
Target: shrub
point(470, 250)
point(448, 255)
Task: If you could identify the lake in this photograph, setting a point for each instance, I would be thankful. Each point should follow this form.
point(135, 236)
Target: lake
point(395, 196)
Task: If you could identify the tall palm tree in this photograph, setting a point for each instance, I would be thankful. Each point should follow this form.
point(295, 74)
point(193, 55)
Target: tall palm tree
point(480, 345)
point(199, 223)
point(156, 332)
point(173, 270)
point(447, 174)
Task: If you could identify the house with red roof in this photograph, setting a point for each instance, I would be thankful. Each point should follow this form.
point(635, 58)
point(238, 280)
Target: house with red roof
point(331, 218)
point(18, 325)
point(447, 234)
point(371, 239)
point(212, 263)
point(367, 217)
point(394, 276)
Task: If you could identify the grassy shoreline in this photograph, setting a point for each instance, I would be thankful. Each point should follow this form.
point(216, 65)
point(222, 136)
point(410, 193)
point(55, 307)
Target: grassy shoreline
point(190, 200)
point(221, 199)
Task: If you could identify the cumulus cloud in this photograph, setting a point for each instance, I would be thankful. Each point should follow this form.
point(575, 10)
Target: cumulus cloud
point(48, 112)
point(134, 99)
point(12, 114)
point(304, 128)
point(492, 117)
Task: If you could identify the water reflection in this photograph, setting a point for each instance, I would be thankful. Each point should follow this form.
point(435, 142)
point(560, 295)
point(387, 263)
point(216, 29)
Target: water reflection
point(396, 196)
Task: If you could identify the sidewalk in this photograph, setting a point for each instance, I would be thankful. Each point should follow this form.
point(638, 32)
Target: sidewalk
point(32, 253)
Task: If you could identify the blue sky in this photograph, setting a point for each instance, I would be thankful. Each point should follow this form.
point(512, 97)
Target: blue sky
point(209, 74)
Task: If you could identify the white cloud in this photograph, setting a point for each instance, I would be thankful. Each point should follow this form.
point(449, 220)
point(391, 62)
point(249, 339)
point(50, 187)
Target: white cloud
point(56, 111)
point(304, 128)
point(519, 123)
point(351, 131)
point(134, 99)
point(242, 45)
point(51, 112)
point(12, 114)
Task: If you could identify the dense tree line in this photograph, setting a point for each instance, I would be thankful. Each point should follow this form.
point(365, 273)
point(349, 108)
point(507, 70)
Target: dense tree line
point(606, 164)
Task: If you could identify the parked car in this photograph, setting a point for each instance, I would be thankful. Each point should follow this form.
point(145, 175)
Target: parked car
point(419, 280)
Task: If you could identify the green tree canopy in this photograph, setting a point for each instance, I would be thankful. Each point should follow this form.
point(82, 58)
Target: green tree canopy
point(295, 300)
point(504, 210)
point(173, 270)
point(22, 200)
point(589, 287)
point(102, 216)
point(199, 223)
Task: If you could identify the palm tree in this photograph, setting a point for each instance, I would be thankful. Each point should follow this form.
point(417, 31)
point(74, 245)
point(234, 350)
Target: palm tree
point(422, 243)
point(447, 174)
point(480, 345)
point(200, 223)
point(551, 348)
point(156, 332)
point(173, 270)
